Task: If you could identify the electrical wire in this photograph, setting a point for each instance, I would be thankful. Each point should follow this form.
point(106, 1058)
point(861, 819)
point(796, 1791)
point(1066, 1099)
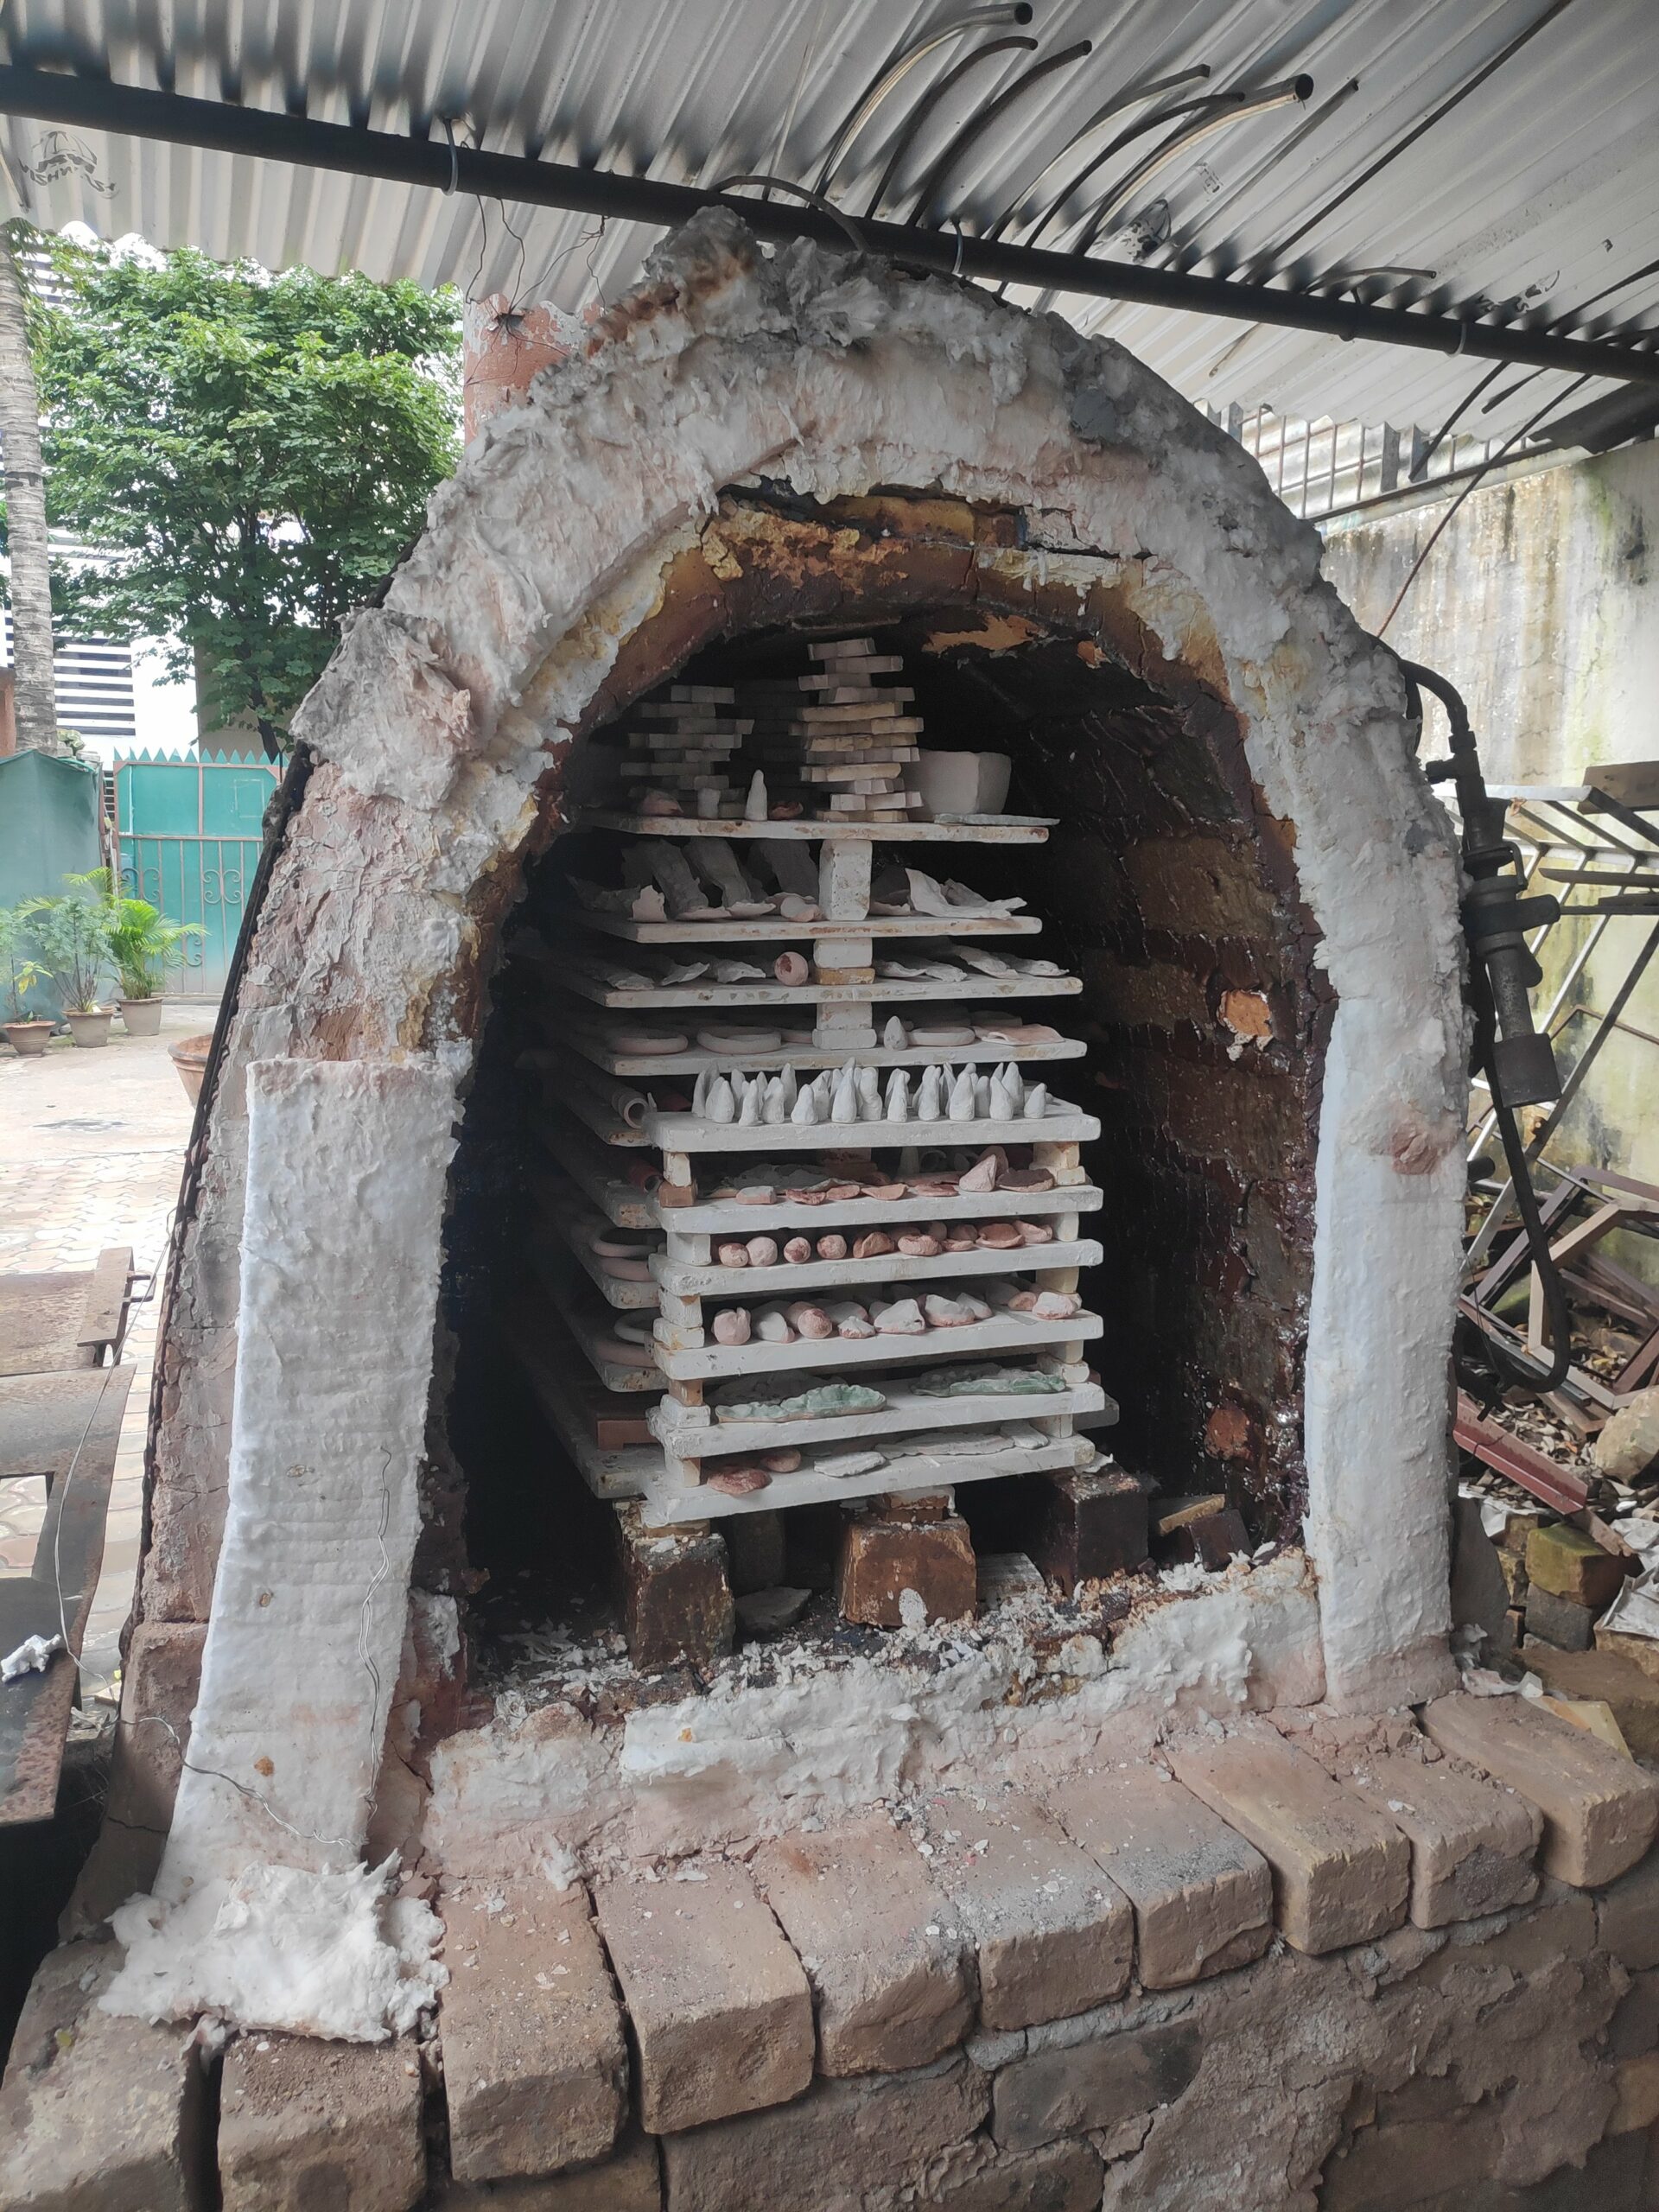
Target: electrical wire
point(1489, 463)
point(910, 129)
point(978, 123)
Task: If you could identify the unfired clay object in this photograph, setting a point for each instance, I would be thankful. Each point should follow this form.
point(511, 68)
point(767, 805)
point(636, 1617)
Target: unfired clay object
point(733, 1255)
point(731, 1326)
point(810, 1321)
point(915, 1246)
point(903, 1317)
point(851, 1319)
point(873, 1244)
point(774, 1326)
point(833, 1246)
point(791, 968)
point(763, 1251)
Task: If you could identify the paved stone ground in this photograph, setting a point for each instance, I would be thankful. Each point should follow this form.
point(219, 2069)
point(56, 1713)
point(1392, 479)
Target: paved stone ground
point(90, 1148)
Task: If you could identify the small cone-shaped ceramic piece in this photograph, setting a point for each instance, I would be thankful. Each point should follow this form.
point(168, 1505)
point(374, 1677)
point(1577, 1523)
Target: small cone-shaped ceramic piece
point(982, 1096)
point(721, 1105)
point(805, 1112)
point(962, 1105)
point(1037, 1102)
point(1003, 1106)
point(929, 1103)
point(843, 1107)
point(869, 1095)
point(896, 1106)
point(791, 1088)
point(895, 1037)
point(700, 1094)
point(773, 1107)
point(748, 1112)
point(754, 806)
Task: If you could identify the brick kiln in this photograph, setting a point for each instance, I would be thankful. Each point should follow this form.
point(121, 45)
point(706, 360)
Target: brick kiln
point(694, 1175)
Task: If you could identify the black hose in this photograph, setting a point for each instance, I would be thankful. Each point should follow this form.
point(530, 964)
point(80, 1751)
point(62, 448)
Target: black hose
point(1482, 837)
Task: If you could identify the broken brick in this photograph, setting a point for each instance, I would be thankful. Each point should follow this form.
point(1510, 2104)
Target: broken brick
point(882, 1559)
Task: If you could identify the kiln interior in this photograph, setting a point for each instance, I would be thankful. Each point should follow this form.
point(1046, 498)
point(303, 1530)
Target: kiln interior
point(1141, 935)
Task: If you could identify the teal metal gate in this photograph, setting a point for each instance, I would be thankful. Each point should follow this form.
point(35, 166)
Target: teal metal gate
point(187, 836)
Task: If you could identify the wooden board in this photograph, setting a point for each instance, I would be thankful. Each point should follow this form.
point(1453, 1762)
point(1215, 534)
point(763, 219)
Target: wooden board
point(979, 1340)
point(906, 1472)
point(850, 1275)
point(690, 1133)
point(105, 1320)
point(943, 829)
point(567, 1243)
point(805, 1058)
point(41, 1318)
point(806, 997)
point(905, 1410)
point(773, 929)
point(594, 1172)
point(587, 1326)
point(726, 1216)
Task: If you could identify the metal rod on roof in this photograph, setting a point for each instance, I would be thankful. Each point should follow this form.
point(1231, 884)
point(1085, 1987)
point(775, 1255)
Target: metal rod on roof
point(93, 104)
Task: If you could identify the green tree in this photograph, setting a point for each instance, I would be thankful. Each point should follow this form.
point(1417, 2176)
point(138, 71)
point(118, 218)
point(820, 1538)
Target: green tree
point(252, 452)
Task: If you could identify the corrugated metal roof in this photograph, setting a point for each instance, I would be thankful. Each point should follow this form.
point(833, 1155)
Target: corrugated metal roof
point(1531, 195)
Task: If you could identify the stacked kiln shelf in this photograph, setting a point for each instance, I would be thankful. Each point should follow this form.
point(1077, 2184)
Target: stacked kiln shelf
point(924, 1442)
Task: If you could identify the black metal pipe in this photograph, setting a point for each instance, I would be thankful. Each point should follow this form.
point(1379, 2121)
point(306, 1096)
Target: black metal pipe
point(94, 103)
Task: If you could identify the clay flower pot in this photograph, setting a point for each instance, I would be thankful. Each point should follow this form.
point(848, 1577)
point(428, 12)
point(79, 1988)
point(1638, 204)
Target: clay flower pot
point(28, 1037)
point(142, 1017)
point(189, 1056)
point(92, 1025)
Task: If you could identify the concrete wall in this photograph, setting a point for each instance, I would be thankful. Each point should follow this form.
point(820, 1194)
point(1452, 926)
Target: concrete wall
point(1540, 601)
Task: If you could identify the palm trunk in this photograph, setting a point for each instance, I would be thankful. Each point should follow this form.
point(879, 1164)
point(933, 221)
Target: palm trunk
point(36, 691)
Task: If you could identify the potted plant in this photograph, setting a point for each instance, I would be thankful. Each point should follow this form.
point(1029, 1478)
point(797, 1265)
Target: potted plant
point(143, 945)
point(71, 934)
point(19, 976)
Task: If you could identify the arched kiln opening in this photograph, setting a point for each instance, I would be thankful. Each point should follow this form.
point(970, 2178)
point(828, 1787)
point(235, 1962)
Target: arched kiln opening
point(1172, 1002)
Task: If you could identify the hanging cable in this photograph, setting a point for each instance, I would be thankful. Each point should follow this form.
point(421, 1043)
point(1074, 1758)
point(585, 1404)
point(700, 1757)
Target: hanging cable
point(975, 19)
point(977, 125)
point(913, 123)
point(1114, 106)
point(1233, 107)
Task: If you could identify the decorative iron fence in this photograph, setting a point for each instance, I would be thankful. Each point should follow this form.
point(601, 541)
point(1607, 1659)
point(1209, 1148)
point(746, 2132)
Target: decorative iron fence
point(189, 831)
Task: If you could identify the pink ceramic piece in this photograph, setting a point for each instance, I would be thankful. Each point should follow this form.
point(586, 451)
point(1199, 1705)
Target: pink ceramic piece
point(798, 1251)
point(1025, 1179)
point(732, 1255)
point(961, 1239)
point(731, 1326)
point(920, 1248)
point(1035, 1232)
point(810, 1321)
point(763, 1251)
point(780, 1462)
point(1056, 1304)
point(903, 1317)
point(1000, 1236)
point(873, 1244)
point(833, 1246)
point(982, 1176)
point(790, 968)
point(738, 1482)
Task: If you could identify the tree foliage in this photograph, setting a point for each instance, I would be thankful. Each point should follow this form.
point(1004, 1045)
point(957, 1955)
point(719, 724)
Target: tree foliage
point(253, 452)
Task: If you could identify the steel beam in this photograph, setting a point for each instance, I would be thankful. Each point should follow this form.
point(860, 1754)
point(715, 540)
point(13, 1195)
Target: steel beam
point(95, 104)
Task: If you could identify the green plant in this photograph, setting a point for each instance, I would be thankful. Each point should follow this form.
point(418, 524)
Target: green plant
point(143, 945)
point(71, 932)
point(21, 975)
